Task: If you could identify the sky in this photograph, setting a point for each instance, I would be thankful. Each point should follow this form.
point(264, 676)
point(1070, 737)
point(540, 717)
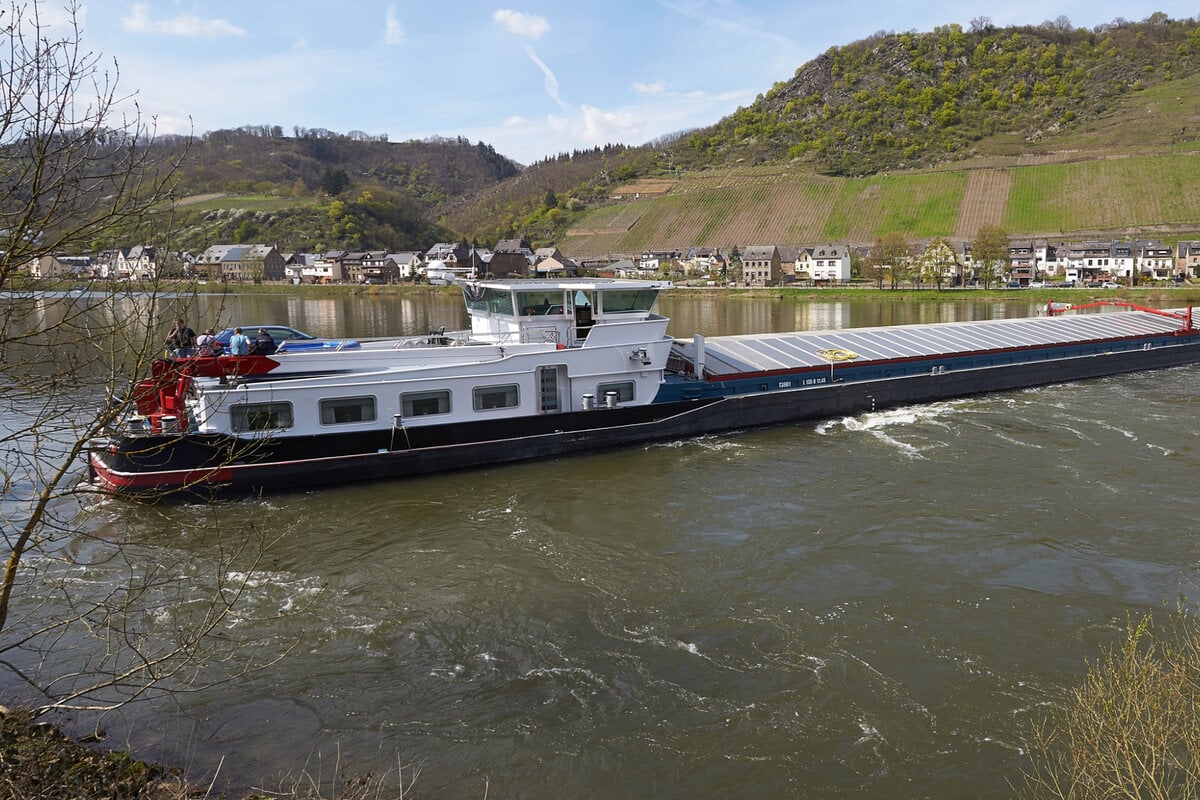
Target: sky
point(532, 79)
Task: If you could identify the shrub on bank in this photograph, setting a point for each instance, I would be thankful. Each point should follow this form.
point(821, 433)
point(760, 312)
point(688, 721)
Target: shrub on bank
point(1132, 730)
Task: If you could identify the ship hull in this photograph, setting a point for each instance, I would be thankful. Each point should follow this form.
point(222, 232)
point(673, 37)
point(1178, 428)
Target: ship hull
point(210, 463)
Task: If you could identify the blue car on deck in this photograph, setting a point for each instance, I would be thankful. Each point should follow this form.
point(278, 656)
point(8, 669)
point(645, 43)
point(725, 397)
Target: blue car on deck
point(289, 339)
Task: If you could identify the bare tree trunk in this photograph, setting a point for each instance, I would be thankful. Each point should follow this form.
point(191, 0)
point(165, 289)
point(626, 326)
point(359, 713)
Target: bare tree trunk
point(78, 174)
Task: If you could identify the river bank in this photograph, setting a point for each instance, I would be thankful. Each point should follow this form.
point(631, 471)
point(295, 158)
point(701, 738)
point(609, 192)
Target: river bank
point(38, 760)
point(1149, 295)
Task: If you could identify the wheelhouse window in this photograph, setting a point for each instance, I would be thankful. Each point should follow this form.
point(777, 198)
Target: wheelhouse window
point(624, 391)
point(540, 303)
point(495, 301)
point(488, 398)
point(261, 416)
point(421, 404)
point(616, 302)
point(341, 410)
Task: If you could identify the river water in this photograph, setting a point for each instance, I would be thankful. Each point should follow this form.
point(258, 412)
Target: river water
point(876, 606)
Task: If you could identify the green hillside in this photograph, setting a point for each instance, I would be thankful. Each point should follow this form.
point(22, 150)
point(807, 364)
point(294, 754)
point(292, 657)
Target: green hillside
point(918, 99)
point(1102, 197)
point(1132, 170)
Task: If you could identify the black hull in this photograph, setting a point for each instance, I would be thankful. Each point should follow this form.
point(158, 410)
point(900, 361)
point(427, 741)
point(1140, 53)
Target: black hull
point(216, 464)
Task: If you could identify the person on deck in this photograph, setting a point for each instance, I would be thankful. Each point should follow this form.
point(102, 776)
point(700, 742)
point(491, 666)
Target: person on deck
point(181, 340)
point(263, 345)
point(239, 343)
point(207, 344)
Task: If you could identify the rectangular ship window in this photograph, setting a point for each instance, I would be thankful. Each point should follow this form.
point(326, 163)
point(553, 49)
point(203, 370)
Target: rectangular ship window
point(261, 416)
point(340, 410)
point(420, 404)
point(491, 397)
point(624, 391)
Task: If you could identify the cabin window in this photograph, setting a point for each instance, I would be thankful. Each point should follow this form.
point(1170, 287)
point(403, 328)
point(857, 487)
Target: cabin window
point(492, 397)
point(617, 301)
point(340, 410)
point(540, 303)
point(494, 301)
point(261, 416)
point(624, 391)
point(420, 404)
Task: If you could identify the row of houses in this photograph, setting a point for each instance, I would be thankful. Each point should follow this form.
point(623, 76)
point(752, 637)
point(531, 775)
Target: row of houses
point(1028, 261)
point(133, 263)
point(1032, 260)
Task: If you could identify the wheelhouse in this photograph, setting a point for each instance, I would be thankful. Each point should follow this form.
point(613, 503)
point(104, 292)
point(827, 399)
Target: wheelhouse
point(561, 311)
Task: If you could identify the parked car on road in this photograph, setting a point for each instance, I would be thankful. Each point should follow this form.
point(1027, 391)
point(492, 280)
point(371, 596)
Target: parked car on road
point(1110, 285)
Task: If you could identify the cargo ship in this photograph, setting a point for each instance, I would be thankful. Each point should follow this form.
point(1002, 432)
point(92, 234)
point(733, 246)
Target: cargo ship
point(556, 367)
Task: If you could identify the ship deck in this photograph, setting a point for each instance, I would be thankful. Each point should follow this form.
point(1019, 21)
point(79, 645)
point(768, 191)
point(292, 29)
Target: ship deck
point(766, 352)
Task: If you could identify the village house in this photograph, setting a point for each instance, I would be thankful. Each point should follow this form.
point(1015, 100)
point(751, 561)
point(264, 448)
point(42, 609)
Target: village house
point(760, 265)
point(1187, 259)
point(377, 267)
point(137, 263)
point(790, 259)
point(703, 261)
point(59, 267)
point(1088, 261)
point(327, 268)
point(1155, 261)
point(294, 264)
point(511, 258)
point(626, 268)
point(561, 267)
point(451, 254)
point(241, 262)
point(368, 266)
point(1023, 265)
point(480, 261)
point(652, 262)
point(829, 263)
point(407, 262)
point(939, 263)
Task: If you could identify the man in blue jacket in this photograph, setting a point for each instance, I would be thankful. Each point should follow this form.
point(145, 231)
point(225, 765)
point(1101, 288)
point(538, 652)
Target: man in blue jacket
point(239, 343)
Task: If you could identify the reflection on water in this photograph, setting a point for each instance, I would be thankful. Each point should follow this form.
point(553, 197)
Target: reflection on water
point(690, 312)
point(875, 606)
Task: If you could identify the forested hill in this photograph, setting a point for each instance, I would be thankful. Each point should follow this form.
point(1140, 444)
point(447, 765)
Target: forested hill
point(260, 159)
point(315, 189)
point(913, 99)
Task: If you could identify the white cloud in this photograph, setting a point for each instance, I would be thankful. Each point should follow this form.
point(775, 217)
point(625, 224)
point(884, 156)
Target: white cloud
point(658, 87)
point(393, 30)
point(592, 126)
point(190, 25)
point(551, 81)
point(515, 121)
point(527, 25)
point(281, 84)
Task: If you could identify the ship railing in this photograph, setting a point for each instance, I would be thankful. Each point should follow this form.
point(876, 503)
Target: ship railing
point(445, 338)
point(679, 364)
point(540, 335)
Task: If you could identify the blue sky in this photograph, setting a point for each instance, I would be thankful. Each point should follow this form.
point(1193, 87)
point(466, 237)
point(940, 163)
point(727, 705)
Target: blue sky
point(531, 79)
